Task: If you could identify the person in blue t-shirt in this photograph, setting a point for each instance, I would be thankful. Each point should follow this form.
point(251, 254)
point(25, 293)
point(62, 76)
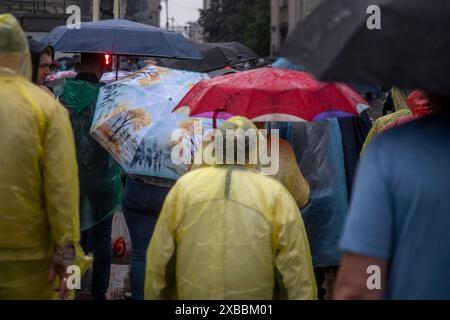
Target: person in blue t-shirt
point(396, 242)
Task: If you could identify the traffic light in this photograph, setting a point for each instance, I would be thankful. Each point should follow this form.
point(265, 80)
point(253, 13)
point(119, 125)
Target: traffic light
point(106, 9)
point(107, 60)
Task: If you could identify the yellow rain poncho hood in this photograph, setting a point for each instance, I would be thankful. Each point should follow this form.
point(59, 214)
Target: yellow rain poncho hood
point(14, 52)
point(228, 232)
point(288, 173)
point(38, 175)
point(239, 125)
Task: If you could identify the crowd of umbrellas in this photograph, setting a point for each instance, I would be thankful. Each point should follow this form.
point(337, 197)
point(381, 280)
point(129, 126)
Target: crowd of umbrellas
point(137, 112)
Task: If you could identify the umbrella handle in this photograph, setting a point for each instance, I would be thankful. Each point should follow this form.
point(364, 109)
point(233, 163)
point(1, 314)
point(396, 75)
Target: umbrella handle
point(215, 119)
point(117, 66)
point(215, 114)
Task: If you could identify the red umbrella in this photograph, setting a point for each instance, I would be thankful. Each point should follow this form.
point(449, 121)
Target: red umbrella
point(272, 94)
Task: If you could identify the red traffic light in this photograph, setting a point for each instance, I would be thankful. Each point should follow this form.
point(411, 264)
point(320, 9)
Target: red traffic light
point(107, 59)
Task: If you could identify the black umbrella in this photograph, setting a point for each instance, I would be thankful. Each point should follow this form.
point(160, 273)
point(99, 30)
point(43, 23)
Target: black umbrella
point(217, 56)
point(411, 50)
point(122, 37)
point(243, 53)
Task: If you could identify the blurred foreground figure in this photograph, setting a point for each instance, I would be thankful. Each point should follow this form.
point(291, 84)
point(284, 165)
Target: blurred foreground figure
point(396, 238)
point(228, 232)
point(39, 220)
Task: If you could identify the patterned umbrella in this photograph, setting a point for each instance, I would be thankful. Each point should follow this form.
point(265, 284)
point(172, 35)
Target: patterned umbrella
point(134, 120)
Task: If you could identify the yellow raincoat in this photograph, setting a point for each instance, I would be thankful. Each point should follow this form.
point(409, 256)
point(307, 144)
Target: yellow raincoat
point(228, 232)
point(289, 174)
point(399, 98)
point(381, 123)
point(38, 175)
point(401, 110)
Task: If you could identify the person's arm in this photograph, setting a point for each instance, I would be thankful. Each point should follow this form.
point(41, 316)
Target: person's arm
point(293, 259)
point(361, 278)
point(160, 282)
point(61, 190)
point(367, 240)
point(60, 177)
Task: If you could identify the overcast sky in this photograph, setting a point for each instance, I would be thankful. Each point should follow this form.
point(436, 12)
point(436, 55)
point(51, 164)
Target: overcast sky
point(182, 10)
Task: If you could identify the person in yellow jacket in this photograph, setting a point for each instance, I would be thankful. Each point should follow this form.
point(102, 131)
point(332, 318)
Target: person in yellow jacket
point(39, 218)
point(289, 173)
point(228, 232)
point(291, 176)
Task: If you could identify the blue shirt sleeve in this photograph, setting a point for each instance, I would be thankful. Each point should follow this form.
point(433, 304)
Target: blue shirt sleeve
point(369, 227)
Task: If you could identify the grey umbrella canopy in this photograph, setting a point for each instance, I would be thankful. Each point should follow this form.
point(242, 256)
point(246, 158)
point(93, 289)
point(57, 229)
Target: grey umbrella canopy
point(122, 37)
point(411, 50)
point(242, 52)
point(217, 56)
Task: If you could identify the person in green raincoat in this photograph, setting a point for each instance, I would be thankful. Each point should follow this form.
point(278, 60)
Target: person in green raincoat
point(39, 216)
point(98, 173)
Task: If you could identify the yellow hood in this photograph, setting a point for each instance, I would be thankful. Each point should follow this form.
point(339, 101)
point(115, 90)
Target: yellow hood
point(239, 125)
point(14, 52)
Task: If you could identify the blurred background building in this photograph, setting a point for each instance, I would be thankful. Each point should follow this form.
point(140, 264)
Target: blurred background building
point(38, 17)
point(206, 4)
point(285, 16)
point(192, 30)
point(143, 11)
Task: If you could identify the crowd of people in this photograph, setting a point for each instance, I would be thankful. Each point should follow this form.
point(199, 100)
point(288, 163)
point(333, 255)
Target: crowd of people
point(220, 231)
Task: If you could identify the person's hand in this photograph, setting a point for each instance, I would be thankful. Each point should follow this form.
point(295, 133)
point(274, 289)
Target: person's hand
point(59, 271)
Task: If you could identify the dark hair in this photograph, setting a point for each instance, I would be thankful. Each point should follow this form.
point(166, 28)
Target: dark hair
point(49, 51)
point(92, 58)
point(37, 48)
